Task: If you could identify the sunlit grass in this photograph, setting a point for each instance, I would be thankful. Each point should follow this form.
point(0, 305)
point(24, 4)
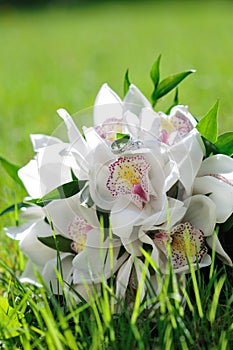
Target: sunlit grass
point(171, 321)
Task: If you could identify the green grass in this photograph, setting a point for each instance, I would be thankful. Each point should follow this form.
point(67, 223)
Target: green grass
point(38, 320)
point(54, 57)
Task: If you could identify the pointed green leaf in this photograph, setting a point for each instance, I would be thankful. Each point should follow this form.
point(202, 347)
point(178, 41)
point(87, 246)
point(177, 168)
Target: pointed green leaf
point(126, 82)
point(105, 215)
point(12, 208)
point(67, 190)
point(63, 244)
point(175, 101)
point(122, 136)
point(12, 170)
point(210, 148)
point(224, 143)
point(208, 125)
point(74, 177)
point(85, 197)
point(155, 72)
point(169, 83)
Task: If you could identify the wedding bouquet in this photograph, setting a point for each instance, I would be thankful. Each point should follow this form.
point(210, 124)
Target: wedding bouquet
point(138, 192)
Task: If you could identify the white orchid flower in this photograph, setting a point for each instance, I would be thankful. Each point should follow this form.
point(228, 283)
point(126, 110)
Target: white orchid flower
point(176, 131)
point(47, 170)
point(133, 245)
point(52, 164)
point(82, 227)
point(131, 185)
point(185, 143)
point(191, 237)
point(109, 110)
point(215, 179)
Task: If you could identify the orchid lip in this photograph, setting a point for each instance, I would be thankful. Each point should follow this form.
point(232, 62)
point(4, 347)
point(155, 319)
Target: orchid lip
point(186, 241)
point(77, 231)
point(129, 177)
point(137, 189)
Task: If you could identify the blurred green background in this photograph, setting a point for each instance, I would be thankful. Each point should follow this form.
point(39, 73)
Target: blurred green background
point(55, 56)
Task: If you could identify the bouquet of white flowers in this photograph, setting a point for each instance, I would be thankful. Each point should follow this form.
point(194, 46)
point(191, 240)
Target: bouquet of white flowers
point(140, 191)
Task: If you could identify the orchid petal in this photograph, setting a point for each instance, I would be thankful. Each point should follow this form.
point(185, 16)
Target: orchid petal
point(171, 173)
point(29, 175)
point(219, 192)
point(206, 261)
point(217, 164)
point(183, 111)
point(107, 105)
point(29, 275)
point(123, 276)
point(124, 215)
point(33, 248)
point(40, 141)
point(188, 155)
point(75, 137)
point(154, 253)
point(85, 290)
point(33, 212)
point(50, 271)
point(132, 244)
point(53, 170)
point(19, 232)
point(139, 267)
point(149, 123)
point(132, 124)
point(95, 262)
point(134, 101)
point(214, 243)
point(101, 196)
point(93, 138)
point(201, 213)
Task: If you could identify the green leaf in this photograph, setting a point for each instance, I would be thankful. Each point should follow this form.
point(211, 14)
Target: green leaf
point(85, 197)
point(169, 83)
point(120, 136)
point(224, 143)
point(208, 125)
point(74, 177)
point(210, 148)
point(12, 170)
point(105, 215)
point(60, 243)
point(67, 190)
point(175, 101)
point(227, 225)
point(155, 72)
point(126, 82)
point(9, 322)
point(13, 206)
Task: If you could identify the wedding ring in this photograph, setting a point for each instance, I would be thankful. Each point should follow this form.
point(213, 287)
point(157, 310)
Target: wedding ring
point(125, 144)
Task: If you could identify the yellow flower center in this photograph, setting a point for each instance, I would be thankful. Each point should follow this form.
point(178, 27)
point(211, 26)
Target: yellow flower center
point(127, 173)
point(79, 245)
point(167, 125)
point(183, 246)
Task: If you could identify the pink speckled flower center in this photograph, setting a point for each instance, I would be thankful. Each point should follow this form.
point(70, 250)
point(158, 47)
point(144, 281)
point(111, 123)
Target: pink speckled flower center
point(129, 177)
point(173, 128)
point(77, 231)
point(109, 129)
point(185, 241)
